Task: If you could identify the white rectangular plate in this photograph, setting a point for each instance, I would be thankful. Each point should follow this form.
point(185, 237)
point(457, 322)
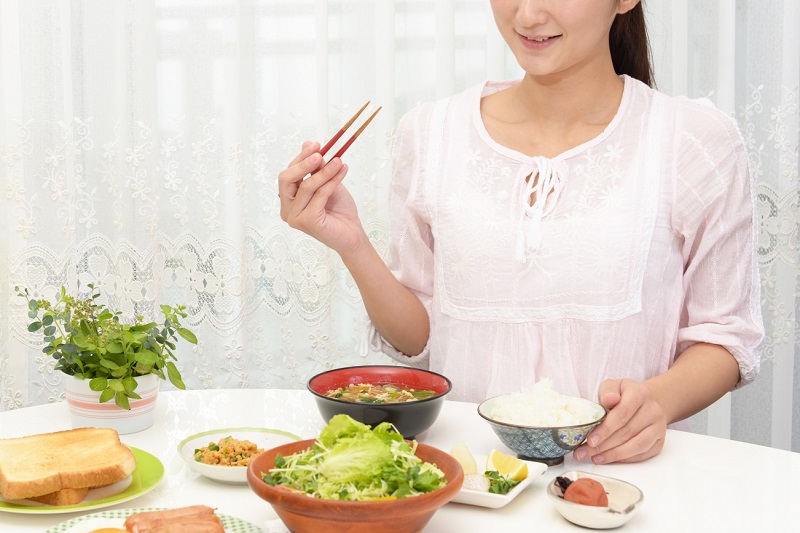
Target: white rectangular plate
point(495, 501)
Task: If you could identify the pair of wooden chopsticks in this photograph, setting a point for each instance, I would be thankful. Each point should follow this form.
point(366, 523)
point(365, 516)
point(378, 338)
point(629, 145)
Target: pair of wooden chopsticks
point(344, 128)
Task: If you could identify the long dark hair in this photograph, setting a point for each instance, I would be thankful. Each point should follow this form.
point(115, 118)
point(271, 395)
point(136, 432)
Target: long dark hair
point(630, 48)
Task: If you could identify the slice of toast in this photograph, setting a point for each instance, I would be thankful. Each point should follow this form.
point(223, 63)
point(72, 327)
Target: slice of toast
point(74, 459)
point(62, 497)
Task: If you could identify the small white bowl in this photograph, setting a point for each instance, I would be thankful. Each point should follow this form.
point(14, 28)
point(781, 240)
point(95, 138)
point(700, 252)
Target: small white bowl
point(623, 500)
point(264, 438)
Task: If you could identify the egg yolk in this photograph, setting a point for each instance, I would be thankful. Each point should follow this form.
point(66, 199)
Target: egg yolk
point(586, 492)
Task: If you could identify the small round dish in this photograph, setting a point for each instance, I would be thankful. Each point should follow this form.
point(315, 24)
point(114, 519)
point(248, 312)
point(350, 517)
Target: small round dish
point(623, 501)
point(264, 438)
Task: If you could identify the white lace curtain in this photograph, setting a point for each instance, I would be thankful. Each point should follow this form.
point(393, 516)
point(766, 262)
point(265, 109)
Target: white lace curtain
point(140, 144)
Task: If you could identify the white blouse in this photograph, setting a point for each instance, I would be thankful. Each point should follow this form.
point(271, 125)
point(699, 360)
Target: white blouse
point(639, 244)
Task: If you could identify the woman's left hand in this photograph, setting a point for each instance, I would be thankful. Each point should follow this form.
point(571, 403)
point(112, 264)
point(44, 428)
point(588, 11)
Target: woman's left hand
point(634, 428)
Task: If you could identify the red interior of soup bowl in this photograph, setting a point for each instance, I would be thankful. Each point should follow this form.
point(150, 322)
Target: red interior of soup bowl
point(380, 374)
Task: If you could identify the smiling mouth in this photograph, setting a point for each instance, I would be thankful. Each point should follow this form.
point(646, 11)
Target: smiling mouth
point(541, 39)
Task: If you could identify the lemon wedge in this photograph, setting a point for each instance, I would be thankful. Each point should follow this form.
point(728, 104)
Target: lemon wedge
point(465, 458)
point(507, 465)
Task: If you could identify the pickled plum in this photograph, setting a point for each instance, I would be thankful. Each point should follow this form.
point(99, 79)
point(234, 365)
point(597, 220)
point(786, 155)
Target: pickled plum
point(584, 491)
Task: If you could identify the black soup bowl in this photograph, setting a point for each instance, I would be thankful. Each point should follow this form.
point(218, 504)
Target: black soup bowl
point(410, 418)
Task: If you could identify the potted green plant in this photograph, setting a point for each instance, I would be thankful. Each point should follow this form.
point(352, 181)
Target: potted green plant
point(91, 342)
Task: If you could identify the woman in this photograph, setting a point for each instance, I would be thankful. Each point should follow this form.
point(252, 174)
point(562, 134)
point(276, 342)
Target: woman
point(575, 225)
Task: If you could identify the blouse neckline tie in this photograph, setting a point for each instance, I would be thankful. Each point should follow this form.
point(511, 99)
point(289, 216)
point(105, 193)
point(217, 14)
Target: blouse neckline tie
point(542, 179)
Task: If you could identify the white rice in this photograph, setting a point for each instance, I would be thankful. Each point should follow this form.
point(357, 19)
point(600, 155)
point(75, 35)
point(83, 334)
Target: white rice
point(542, 406)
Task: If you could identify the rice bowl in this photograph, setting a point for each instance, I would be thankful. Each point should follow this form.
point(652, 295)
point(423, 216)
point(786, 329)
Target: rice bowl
point(539, 424)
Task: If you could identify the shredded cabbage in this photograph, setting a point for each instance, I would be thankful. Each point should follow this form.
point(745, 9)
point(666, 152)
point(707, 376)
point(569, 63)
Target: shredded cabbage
point(351, 461)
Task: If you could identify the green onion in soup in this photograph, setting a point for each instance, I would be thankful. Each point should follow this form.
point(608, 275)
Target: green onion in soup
point(380, 393)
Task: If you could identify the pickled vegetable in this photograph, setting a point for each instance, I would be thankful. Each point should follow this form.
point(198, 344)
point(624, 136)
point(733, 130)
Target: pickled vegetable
point(586, 491)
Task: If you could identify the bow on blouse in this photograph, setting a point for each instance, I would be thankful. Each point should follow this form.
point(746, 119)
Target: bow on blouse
point(538, 186)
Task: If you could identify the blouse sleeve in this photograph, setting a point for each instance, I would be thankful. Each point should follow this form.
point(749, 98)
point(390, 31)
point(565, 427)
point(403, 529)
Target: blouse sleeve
point(410, 250)
point(714, 210)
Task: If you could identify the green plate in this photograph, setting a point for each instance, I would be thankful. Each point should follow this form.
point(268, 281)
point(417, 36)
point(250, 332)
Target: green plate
point(149, 473)
point(117, 519)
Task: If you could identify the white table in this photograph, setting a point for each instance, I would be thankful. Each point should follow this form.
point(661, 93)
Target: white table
point(697, 483)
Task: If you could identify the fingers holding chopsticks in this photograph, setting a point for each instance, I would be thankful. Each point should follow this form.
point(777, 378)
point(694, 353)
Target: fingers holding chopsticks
point(312, 198)
point(324, 209)
point(315, 190)
point(306, 162)
point(310, 159)
point(308, 179)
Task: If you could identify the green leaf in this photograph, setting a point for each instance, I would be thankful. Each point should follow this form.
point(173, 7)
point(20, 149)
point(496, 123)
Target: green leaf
point(126, 335)
point(146, 357)
point(34, 326)
point(47, 319)
point(130, 384)
point(98, 384)
point(33, 305)
point(114, 347)
point(175, 375)
point(68, 348)
point(188, 335)
point(80, 340)
point(117, 385)
point(498, 483)
point(106, 395)
point(132, 394)
point(108, 363)
point(121, 400)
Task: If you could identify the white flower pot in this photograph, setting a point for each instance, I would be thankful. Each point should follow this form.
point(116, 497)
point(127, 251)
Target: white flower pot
point(87, 411)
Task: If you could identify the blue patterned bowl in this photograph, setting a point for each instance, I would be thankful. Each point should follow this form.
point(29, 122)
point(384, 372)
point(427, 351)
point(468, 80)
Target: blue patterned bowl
point(546, 445)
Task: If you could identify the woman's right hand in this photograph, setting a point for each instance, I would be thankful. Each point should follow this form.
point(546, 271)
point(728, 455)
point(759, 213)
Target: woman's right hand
point(319, 204)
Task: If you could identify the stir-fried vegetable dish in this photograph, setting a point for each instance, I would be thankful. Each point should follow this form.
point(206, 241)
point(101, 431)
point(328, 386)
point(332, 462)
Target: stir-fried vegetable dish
point(227, 452)
point(381, 393)
point(351, 461)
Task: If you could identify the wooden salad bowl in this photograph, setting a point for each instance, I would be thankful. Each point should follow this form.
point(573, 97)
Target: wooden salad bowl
point(304, 514)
